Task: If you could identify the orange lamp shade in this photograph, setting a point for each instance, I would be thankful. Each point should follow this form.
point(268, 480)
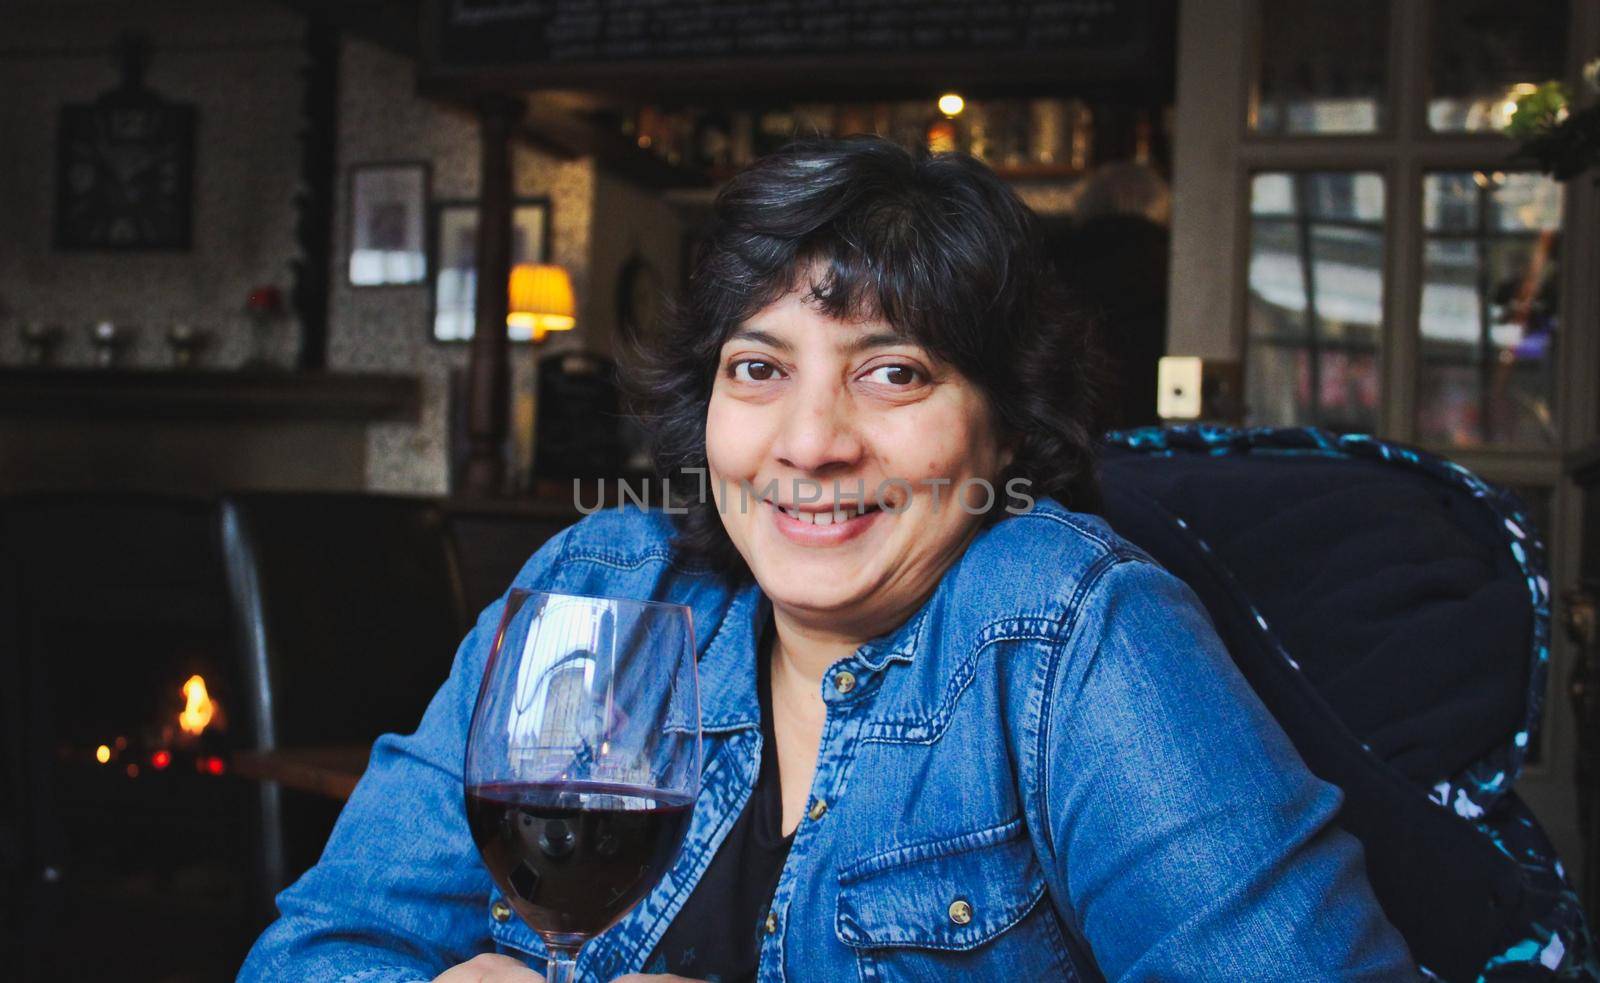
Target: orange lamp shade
point(541, 300)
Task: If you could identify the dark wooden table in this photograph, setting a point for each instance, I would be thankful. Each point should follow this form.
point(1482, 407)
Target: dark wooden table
point(329, 771)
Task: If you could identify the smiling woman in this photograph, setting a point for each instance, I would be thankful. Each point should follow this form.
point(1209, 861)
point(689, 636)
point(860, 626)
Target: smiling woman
point(944, 739)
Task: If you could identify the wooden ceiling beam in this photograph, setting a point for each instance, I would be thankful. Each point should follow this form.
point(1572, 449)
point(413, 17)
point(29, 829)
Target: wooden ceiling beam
point(394, 25)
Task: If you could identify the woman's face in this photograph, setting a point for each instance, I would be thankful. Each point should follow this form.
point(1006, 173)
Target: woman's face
point(809, 413)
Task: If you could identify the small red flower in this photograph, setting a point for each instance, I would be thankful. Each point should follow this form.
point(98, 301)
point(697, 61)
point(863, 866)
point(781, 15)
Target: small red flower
point(265, 300)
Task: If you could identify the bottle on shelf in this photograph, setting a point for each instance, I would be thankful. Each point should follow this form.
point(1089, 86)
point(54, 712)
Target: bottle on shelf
point(1047, 131)
point(1082, 152)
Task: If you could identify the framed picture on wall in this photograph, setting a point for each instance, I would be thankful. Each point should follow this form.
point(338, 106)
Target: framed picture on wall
point(388, 224)
point(455, 261)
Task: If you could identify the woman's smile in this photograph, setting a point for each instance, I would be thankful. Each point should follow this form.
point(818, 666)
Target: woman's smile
point(813, 526)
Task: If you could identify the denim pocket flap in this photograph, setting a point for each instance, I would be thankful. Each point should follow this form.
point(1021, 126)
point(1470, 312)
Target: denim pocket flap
point(954, 893)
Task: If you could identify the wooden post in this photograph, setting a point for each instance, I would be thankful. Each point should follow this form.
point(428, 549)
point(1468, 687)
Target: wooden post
point(489, 367)
point(314, 209)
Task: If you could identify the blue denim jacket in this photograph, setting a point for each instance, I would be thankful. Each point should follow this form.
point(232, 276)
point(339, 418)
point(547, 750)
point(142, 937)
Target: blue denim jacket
point(1056, 740)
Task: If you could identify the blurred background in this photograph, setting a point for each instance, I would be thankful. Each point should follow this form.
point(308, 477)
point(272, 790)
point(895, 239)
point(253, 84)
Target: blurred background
point(241, 245)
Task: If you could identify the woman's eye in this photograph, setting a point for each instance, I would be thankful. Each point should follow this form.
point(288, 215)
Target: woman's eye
point(895, 375)
point(753, 370)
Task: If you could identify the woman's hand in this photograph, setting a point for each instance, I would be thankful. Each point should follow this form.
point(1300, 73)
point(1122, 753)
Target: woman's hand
point(489, 969)
point(504, 969)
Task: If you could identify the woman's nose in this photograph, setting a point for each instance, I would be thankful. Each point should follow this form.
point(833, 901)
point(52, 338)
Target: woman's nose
point(818, 430)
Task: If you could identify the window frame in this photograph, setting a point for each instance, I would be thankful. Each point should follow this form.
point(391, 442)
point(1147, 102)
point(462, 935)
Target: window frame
point(1403, 153)
point(1243, 256)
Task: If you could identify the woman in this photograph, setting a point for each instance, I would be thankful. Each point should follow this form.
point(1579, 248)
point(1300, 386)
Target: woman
point(942, 740)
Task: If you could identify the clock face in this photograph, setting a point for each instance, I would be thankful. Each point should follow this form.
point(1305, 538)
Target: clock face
point(124, 174)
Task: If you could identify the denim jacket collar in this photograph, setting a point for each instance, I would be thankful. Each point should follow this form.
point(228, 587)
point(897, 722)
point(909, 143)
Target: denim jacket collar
point(727, 667)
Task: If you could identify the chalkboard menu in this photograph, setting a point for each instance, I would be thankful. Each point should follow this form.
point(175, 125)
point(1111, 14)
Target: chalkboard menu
point(555, 41)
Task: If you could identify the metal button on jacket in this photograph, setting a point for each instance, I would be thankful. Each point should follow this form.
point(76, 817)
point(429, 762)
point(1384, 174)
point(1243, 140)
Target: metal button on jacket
point(844, 682)
point(772, 922)
point(817, 809)
point(501, 911)
point(960, 912)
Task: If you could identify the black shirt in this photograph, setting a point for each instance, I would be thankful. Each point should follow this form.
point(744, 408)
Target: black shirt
point(717, 934)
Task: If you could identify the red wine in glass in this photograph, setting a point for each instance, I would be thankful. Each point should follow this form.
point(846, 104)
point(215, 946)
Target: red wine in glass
point(576, 855)
point(583, 760)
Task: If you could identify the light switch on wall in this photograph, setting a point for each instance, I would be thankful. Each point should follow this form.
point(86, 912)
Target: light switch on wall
point(1178, 381)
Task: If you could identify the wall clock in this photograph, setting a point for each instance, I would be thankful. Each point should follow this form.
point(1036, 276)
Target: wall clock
point(124, 171)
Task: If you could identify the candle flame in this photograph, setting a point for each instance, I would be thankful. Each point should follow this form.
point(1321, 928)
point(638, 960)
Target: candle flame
point(198, 708)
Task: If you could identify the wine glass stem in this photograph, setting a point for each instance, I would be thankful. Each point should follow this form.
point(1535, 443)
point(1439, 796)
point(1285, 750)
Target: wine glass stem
point(562, 965)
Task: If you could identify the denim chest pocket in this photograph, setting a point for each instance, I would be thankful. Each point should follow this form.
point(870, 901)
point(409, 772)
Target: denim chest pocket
point(964, 906)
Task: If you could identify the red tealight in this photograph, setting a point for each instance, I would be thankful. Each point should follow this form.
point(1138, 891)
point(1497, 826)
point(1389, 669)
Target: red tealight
point(214, 765)
point(161, 759)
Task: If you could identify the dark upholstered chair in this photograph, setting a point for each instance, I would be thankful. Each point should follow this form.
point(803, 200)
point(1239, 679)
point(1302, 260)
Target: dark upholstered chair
point(493, 542)
point(348, 610)
point(1392, 611)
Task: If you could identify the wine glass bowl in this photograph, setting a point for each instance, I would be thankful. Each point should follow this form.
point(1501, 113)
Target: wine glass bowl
point(583, 759)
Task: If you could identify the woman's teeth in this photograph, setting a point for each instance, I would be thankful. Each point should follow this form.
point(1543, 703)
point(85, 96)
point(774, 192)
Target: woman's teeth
point(824, 518)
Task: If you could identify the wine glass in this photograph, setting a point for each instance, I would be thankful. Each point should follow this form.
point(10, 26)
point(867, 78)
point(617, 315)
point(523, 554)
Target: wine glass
point(583, 760)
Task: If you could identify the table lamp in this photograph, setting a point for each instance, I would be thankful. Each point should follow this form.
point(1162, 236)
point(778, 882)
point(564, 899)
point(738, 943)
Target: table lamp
point(541, 301)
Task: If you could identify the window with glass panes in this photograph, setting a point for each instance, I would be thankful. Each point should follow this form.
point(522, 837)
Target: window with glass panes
point(1331, 308)
point(1490, 310)
point(1315, 306)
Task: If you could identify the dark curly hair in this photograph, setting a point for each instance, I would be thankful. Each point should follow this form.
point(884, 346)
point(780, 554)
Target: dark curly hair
point(938, 247)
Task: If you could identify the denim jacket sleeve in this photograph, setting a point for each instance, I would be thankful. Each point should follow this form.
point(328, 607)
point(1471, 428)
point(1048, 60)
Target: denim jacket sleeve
point(1190, 840)
point(399, 894)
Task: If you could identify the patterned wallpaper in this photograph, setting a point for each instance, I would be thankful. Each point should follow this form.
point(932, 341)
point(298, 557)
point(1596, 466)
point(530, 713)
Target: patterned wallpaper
point(239, 64)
